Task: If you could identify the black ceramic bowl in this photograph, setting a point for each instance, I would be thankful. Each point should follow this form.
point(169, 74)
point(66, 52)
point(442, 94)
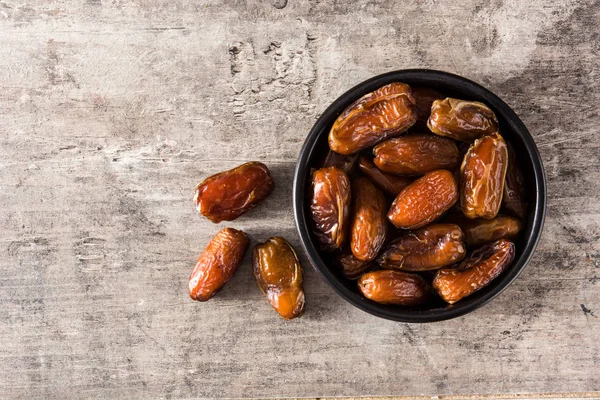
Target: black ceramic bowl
point(512, 130)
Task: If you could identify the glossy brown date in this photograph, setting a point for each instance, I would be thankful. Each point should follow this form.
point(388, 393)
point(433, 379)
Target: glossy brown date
point(424, 98)
point(424, 200)
point(330, 207)
point(483, 171)
point(416, 154)
point(475, 272)
point(461, 120)
point(345, 163)
point(369, 224)
point(394, 287)
point(429, 248)
point(351, 267)
point(386, 112)
point(391, 184)
point(229, 194)
point(279, 276)
point(479, 231)
point(217, 263)
point(513, 197)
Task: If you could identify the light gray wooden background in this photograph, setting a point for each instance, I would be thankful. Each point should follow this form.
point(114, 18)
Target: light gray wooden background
point(111, 111)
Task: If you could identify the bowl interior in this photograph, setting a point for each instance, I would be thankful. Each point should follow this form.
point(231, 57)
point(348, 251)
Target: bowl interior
point(511, 128)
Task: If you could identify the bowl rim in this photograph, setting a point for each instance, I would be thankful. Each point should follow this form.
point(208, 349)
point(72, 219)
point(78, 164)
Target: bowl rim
point(431, 77)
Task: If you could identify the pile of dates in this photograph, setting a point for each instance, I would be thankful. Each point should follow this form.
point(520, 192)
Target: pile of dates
point(224, 197)
point(418, 197)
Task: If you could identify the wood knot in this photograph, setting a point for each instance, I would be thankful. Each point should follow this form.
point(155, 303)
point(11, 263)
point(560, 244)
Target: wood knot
point(279, 4)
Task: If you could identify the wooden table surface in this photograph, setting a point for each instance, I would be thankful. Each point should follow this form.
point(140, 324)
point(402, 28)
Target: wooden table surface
point(111, 111)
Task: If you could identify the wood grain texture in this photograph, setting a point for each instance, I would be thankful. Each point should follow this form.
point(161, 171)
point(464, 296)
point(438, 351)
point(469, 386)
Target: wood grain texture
point(111, 111)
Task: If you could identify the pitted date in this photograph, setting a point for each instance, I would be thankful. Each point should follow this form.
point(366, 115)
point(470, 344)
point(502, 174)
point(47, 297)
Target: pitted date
point(386, 112)
point(350, 266)
point(424, 200)
point(461, 120)
point(429, 248)
point(391, 184)
point(369, 224)
point(330, 207)
point(394, 287)
point(416, 154)
point(483, 172)
point(480, 231)
point(474, 272)
point(227, 195)
point(217, 263)
point(513, 198)
point(279, 276)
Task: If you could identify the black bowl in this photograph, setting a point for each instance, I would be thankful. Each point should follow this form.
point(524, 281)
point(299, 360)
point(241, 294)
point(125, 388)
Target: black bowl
point(512, 129)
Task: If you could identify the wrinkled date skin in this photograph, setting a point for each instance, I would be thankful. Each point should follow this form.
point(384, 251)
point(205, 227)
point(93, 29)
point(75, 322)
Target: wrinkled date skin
point(475, 272)
point(345, 163)
point(279, 276)
point(391, 184)
point(386, 112)
point(480, 231)
point(330, 207)
point(227, 195)
point(429, 248)
point(351, 267)
point(483, 171)
point(424, 200)
point(513, 198)
point(394, 287)
point(369, 223)
point(416, 154)
point(424, 98)
point(217, 263)
point(461, 120)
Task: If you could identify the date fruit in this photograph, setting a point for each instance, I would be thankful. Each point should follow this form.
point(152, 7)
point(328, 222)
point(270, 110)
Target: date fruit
point(394, 287)
point(483, 171)
point(386, 112)
point(391, 184)
point(217, 263)
point(351, 267)
point(461, 120)
point(227, 195)
point(330, 207)
point(369, 224)
point(429, 248)
point(416, 154)
point(424, 98)
point(475, 272)
point(279, 276)
point(345, 163)
point(424, 200)
point(479, 231)
point(514, 187)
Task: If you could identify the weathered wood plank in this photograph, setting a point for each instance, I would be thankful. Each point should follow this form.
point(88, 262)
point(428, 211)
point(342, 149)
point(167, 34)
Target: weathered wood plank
point(111, 112)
